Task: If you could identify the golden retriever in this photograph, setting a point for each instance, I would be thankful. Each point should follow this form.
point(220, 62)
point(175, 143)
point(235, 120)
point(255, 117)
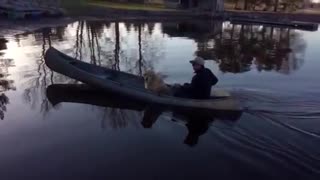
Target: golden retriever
point(155, 83)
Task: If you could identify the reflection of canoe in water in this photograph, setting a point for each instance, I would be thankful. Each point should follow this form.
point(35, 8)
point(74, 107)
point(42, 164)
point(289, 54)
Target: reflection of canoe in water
point(197, 122)
point(84, 94)
point(127, 84)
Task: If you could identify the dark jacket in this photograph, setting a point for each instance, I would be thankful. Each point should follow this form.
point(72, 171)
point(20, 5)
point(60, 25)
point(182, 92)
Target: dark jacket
point(201, 84)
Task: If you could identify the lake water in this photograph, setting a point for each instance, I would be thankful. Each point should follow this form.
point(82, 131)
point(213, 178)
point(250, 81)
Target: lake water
point(54, 131)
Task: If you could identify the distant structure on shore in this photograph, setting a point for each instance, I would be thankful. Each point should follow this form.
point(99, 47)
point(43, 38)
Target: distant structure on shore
point(201, 5)
point(32, 8)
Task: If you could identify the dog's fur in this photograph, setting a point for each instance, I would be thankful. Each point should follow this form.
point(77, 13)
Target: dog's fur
point(155, 83)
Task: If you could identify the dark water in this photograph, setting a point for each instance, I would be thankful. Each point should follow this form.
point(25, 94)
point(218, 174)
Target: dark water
point(52, 131)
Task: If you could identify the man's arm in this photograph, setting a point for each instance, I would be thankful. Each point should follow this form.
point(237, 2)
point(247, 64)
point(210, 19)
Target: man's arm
point(214, 79)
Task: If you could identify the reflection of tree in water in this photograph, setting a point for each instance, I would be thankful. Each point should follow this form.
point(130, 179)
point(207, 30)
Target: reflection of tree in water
point(121, 46)
point(5, 84)
point(93, 46)
point(4, 100)
point(100, 43)
point(239, 47)
point(119, 118)
point(38, 80)
point(3, 44)
point(148, 51)
point(130, 47)
point(197, 30)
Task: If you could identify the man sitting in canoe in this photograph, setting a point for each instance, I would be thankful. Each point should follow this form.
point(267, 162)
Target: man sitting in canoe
point(200, 87)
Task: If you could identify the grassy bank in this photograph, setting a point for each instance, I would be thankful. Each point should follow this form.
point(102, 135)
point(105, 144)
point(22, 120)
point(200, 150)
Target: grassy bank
point(130, 6)
point(71, 4)
point(81, 7)
point(105, 9)
point(75, 7)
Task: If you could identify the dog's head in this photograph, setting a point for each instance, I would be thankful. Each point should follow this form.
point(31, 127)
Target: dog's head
point(148, 76)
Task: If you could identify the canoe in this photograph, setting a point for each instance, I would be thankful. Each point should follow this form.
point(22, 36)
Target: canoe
point(85, 94)
point(127, 84)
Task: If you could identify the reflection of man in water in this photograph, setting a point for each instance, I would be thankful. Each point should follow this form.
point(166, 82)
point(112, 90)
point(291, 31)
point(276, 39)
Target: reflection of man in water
point(197, 126)
point(200, 87)
point(151, 115)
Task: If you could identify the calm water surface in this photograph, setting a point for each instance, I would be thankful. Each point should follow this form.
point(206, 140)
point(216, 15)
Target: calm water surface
point(53, 131)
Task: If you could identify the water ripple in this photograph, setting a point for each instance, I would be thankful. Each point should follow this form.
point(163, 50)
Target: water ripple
point(281, 127)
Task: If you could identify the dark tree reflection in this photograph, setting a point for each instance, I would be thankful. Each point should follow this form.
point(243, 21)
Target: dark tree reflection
point(5, 84)
point(104, 44)
point(3, 44)
point(93, 46)
point(200, 31)
point(37, 81)
point(115, 45)
point(242, 47)
point(149, 48)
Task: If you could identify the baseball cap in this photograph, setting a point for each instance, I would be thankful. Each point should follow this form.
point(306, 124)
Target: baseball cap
point(198, 60)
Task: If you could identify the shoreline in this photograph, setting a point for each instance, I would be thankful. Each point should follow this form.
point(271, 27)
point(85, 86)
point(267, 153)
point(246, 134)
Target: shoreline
point(124, 14)
point(91, 12)
point(301, 17)
point(113, 13)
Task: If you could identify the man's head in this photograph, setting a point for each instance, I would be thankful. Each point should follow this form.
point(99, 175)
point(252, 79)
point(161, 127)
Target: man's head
point(197, 63)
